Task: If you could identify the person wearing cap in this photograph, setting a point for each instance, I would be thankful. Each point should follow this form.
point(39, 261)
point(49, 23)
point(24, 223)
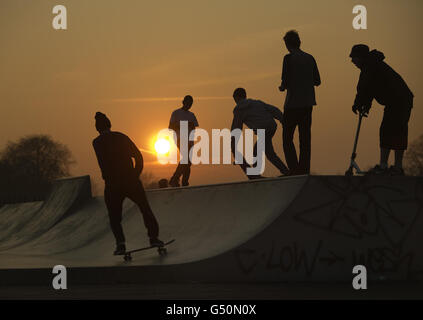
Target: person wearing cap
point(257, 114)
point(183, 114)
point(380, 82)
point(299, 77)
point(115, 152)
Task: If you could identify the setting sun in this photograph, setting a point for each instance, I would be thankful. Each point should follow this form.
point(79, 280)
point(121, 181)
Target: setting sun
point(162, 146)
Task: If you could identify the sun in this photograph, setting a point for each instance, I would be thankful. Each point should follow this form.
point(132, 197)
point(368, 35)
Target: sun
point(162, 146)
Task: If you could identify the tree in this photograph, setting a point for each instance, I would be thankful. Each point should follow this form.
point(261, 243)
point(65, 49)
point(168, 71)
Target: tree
point(414, 158)
point(39, 157)
point(29, 166)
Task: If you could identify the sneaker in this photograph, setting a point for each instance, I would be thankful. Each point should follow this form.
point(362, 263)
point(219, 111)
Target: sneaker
point(395, 171)
point(156, 242)
point(378, 170)
point(120, 250)
point(174, 183)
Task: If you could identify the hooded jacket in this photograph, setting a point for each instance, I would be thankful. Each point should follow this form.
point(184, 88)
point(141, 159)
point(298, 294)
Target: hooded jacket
point(379, 81)
point(256, 115)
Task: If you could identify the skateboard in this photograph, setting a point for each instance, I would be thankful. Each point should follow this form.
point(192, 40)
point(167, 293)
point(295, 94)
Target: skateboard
point(161, 250)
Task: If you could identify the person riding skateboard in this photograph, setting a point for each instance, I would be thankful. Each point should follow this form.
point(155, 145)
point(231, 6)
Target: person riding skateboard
point(379, 81)
point(183, 114)
point(115, 152)
point(257, 115)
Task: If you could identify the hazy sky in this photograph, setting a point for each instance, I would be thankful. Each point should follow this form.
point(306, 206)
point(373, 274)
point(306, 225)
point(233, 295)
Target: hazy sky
point(135, 60)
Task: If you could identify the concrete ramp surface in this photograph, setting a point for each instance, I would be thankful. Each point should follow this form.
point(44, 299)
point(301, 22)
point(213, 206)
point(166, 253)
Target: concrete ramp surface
point(303, 228)
point(23, 223)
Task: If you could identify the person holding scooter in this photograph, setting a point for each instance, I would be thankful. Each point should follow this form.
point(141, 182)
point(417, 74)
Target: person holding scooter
point(379, 81)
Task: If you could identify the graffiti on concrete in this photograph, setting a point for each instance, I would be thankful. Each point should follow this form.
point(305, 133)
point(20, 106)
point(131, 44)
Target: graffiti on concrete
point(366, 223)
point(285, 258)
point(357, 209)
point(384, 260)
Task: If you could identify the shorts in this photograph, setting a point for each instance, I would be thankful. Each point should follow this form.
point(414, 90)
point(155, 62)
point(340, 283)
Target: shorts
point(393, 131)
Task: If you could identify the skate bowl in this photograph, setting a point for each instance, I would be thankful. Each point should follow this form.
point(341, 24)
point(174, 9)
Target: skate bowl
point(302, 229)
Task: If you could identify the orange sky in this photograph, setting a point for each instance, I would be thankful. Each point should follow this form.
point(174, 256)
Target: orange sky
point(135, 60)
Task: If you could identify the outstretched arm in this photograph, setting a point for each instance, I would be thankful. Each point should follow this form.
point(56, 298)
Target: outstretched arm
point(275, 112)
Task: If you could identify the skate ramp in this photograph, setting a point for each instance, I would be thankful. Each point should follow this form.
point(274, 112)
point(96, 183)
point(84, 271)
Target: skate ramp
point(22, 223)
point(15, 216)
point(205, 221)
point(304, 228)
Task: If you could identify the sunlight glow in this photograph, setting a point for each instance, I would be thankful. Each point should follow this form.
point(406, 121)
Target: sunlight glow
point(162, 146)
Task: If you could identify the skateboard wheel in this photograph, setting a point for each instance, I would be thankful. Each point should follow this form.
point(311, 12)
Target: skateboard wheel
point(127, 258)
point(162, 251)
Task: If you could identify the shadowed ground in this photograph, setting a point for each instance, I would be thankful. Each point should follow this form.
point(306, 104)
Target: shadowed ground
point(190, 291)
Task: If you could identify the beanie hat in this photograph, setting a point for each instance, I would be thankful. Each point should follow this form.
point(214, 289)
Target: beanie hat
point(102, 122)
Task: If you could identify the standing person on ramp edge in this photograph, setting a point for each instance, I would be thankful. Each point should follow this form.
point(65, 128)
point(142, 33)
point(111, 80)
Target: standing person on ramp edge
point(114, 152)
point(183, 114)
point(379, 81)
point(299, 77)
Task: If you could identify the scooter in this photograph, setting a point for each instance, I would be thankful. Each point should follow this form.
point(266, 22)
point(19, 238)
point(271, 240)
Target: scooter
point(353, 164)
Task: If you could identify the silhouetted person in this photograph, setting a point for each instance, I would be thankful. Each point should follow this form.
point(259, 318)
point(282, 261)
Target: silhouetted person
point(183, 114)
point(114, 152)
point(299, 77)
point(379, 81)
point(257, 115)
